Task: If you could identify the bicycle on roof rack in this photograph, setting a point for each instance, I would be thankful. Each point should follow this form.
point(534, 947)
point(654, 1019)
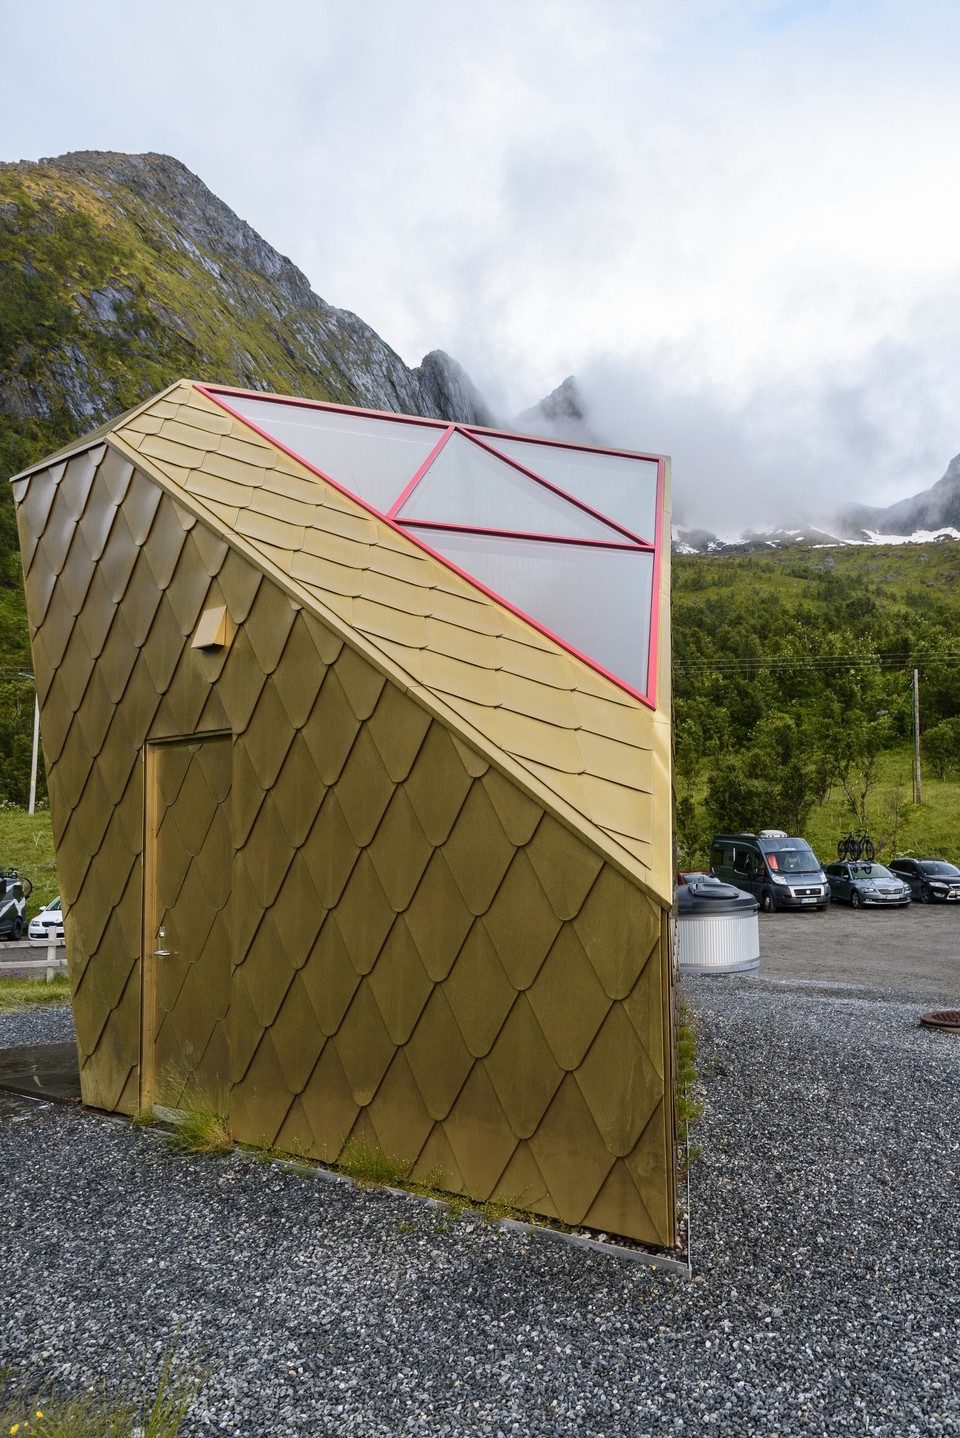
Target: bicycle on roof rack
point(856, 845)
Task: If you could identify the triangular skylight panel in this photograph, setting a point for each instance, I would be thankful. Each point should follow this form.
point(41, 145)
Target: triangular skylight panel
point(596, 600)
point(371, 457)
point(467, 487)
point(622, 487)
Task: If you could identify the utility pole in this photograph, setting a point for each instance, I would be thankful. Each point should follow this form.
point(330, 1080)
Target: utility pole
point(31, 679)
point(916, 736)
point(33, 759)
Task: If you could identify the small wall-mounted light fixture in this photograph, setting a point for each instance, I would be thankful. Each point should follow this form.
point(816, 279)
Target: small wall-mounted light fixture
point(213, 629)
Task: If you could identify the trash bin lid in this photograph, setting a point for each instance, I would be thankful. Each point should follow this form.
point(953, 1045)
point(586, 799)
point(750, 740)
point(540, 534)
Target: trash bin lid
point(702, 894)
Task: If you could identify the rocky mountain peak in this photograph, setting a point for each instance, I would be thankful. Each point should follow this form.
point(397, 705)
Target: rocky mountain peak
point(561, 415)
point(932, 511)
point(447, 390)
point(197, 221)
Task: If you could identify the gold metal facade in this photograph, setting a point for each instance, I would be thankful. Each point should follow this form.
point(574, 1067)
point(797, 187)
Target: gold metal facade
point(372, 928)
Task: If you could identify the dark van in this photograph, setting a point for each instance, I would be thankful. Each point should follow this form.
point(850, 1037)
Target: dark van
point(14, 892)
point(780, 872)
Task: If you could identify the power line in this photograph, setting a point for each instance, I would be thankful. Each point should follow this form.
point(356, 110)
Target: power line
point(819, 662)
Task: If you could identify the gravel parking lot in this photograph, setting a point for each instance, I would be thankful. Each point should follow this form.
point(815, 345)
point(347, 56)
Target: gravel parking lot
point(913, 951)
point(826, 1230)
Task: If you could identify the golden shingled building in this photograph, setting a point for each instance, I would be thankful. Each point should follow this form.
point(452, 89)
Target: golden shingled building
point(357, 735)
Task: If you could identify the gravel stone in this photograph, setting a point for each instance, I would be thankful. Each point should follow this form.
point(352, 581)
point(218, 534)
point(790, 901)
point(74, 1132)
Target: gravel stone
point(36, 1026)
point(825, 1297)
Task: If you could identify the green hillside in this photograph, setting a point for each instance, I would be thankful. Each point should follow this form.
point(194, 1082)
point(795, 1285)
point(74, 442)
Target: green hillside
point(120, 274)
point(793, 694)
point(124, 273)
point(96, 314)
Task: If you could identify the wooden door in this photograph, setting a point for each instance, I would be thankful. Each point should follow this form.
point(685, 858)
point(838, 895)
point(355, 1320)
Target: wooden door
point(186, 947)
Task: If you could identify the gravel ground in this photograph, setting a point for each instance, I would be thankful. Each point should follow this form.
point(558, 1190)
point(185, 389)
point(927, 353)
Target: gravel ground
point(826, 1226)
point(36, 1026)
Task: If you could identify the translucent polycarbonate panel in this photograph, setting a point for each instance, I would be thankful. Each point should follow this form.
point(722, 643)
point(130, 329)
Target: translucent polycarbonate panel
point(467, 485)
point(623, 489)
point(598, 600)
point(373, 458)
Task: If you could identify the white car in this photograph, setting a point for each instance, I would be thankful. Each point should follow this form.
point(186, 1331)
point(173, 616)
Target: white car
point(47, 926)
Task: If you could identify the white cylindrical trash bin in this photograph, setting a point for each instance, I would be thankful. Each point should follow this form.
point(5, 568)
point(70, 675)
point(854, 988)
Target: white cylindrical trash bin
point(717, 927)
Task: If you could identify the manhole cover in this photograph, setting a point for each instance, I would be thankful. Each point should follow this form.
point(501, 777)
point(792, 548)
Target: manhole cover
point(944, 1019)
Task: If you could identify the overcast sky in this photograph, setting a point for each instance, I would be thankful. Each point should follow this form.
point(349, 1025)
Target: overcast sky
point(737, 222)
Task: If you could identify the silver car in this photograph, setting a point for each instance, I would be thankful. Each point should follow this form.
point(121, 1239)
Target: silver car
point(861, 882)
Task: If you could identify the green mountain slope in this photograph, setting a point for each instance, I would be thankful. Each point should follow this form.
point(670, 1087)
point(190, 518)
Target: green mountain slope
point(122, 273)
point(793, 687)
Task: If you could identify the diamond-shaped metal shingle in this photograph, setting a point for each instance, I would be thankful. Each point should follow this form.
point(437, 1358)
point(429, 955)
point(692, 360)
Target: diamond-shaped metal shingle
point(438, 784)
point(479, 992)
point(620, 1110)
point(438, 1056)
point(568, 1000)
point(478, 851)
point(521, 922)
point(363, 1045)
point(399, 851)
point(569, 1153)
point(399, 983)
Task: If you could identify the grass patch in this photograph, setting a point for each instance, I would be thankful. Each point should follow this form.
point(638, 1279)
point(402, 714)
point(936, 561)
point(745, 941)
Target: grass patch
point(200, 1129)
point(26, 844)
point(688, 1107)
point(96, 1415)
point(371, 1168)
point(17, 994)
point(197, 1122)
point(897, 825)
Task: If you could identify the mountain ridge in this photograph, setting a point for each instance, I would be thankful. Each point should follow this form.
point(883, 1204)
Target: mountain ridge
point(933, 509)
point(125, 272)
point(930, 517)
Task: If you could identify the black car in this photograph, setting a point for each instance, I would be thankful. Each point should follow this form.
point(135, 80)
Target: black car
point(863, 882)
point(930, 880)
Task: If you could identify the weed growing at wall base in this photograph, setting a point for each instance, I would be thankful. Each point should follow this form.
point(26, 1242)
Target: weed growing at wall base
point(688, 1107)
point(200, 1129)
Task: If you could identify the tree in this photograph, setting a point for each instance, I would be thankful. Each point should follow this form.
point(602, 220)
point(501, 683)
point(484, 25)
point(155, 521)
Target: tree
point(772, 783)
point(940, 747)
point(857, 760)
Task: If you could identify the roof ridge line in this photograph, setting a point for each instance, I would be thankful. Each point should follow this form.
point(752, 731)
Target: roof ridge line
point(99, 435)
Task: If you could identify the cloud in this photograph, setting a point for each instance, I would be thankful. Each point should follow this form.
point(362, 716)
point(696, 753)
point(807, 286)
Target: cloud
point(744, 209)
point(790, 450)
